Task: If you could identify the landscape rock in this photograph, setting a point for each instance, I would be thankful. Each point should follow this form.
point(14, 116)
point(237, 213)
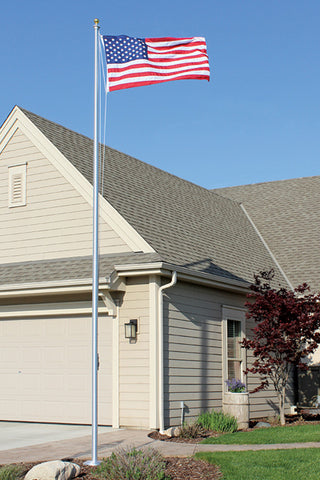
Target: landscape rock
point(263, 425)
point(172, 432)
point(55, 470)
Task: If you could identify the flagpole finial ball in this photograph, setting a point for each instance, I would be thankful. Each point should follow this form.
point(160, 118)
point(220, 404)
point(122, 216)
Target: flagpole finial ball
point(96, 21)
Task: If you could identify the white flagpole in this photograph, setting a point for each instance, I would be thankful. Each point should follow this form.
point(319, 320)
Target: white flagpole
point(95, 259)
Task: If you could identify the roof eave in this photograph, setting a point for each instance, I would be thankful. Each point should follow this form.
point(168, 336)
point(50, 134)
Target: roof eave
point(185, 274)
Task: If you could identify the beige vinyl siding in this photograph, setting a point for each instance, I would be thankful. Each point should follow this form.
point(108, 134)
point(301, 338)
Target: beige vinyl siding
point(56, 220)
point(134, 382)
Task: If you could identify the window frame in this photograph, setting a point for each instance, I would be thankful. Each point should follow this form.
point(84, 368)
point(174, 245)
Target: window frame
point(233, 314)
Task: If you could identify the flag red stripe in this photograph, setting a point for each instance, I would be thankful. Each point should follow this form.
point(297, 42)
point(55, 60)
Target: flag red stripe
point(151, 82)
point(169, 74)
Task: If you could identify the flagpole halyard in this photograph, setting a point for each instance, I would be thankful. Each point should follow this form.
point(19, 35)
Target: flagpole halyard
point(95, 255)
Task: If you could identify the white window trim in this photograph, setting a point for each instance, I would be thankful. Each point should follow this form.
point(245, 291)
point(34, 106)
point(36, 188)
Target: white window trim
point(21, 170)
point(238, 314)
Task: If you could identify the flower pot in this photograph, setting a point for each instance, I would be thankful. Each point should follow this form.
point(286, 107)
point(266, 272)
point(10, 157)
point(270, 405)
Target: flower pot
point(237, 405)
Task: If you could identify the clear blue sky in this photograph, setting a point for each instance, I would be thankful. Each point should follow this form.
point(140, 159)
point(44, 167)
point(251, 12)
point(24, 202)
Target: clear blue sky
point(257, 120)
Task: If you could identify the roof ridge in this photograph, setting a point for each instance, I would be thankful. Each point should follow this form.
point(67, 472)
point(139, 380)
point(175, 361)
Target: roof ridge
point(265, 183)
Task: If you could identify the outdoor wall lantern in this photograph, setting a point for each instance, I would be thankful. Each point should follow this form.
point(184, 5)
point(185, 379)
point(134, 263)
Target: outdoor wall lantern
point(130, 329)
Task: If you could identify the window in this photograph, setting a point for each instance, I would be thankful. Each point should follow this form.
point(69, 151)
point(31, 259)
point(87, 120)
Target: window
point(233, 330)
point(234, 352)
point(17, 185)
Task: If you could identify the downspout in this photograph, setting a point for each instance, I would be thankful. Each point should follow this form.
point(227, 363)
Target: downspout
point(161, 373)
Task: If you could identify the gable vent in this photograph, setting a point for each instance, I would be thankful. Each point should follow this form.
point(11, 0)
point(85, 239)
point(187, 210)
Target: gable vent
point(17, 185)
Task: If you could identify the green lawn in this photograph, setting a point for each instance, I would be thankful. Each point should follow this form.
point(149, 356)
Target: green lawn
point(297, 433)
point(294, 464)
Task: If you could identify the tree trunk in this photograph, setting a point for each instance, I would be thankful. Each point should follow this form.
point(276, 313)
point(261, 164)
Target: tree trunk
point(282, 396)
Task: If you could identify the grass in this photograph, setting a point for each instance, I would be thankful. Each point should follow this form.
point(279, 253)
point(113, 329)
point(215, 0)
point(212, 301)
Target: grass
point(295, 464)
point(296, 433)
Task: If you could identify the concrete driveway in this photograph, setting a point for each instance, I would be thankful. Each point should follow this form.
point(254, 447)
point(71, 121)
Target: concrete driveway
point(19, 434)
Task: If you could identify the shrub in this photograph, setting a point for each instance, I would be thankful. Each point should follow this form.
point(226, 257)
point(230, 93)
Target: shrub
point(218, 422)
point(11, 472)
point(132, 464)
point(191, 430)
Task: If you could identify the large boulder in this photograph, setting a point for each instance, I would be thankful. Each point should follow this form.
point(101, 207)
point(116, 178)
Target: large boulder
point(172, 432)
point(263, 425)
point(55, 470)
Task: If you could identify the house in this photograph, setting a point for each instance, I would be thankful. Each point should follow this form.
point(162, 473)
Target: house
point(285, 215)
point(175, 258)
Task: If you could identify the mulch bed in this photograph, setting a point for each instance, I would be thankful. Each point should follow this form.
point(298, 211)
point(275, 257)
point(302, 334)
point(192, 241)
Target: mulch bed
point(157, 436)
point(179, 468)
point(302, 419)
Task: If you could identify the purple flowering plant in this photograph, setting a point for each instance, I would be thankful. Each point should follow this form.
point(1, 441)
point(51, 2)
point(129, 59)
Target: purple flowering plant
point(235, 386)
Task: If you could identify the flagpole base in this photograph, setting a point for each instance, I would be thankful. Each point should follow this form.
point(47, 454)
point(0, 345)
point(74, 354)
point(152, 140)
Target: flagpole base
point(92, 463)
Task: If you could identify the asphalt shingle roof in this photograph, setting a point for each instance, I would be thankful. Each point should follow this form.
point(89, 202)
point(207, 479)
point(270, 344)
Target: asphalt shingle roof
point(67, 268)
point(187, 225)
point(286, 214)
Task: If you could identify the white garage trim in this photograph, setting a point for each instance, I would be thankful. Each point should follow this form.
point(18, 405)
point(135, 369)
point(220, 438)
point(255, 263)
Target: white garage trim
point(115, 370)
point(49, 312)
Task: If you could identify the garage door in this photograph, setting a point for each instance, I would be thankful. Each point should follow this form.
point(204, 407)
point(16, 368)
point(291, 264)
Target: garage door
point(45, 369)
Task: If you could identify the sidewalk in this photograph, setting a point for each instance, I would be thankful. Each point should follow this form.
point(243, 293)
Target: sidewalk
point(108, 442)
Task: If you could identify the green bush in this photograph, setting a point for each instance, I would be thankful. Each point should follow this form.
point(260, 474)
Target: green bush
point(132, 464)
point(218, 422)
point(11, 472)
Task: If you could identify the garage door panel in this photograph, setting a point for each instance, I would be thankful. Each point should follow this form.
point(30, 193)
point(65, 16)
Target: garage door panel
point(29, 329)
point(45, 369)
point(79, 356)
point(30, 356)
point(11, 356)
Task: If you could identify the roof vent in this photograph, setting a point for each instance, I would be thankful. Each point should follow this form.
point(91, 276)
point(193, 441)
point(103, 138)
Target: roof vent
point(17, 185)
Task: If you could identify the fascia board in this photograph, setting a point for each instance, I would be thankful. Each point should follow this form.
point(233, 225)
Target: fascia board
point(221, 283)
point(17, 119)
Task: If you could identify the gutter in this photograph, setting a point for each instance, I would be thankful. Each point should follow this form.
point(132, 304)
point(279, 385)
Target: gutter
point(161, 372)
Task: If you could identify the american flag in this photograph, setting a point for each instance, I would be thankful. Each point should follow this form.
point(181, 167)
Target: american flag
point(133, 62)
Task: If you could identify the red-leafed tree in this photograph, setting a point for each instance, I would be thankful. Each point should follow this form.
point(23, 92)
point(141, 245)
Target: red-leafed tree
point(287, 331)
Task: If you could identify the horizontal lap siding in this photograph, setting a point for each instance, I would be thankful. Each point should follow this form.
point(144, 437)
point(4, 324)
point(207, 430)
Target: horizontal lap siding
point(193, 349)
point(134, 385)
point(56, 222)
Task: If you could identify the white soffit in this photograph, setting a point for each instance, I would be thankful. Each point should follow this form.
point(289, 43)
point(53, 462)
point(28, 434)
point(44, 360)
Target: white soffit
point(17, 119)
